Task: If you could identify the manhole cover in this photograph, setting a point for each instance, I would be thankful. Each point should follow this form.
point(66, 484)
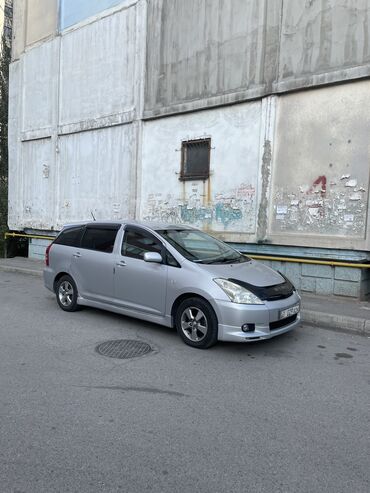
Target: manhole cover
point(123, 349)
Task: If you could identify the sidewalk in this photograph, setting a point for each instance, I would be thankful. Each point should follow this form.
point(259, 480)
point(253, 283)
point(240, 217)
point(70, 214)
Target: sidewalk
point(335, 313)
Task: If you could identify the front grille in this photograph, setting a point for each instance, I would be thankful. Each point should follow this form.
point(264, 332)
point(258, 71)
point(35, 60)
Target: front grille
point(268, 293)
point(282, 323)
point(279, 292)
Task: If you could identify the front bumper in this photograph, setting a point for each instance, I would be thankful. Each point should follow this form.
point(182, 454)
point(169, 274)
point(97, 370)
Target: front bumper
point(232, 316)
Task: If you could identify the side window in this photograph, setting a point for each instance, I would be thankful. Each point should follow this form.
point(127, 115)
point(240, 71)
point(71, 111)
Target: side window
point(136, 243)
point(100, 239)
point(70, 236)
point(171, 260)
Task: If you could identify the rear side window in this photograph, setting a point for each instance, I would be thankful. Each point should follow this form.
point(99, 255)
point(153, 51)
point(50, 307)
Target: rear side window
point(70, 236)
point(99, 239)
point(136, 243)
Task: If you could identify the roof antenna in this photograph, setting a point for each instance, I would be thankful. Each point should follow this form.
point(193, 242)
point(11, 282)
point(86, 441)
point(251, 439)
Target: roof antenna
point(93, 215)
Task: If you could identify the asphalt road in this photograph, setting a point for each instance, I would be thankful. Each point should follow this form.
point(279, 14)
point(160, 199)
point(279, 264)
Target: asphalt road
point(287, 415)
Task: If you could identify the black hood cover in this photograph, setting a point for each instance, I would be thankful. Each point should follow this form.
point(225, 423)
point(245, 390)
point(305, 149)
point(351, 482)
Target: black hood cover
point(269, 293)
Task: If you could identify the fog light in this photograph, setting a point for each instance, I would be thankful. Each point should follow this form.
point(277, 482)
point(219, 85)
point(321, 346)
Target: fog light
point(248, 327)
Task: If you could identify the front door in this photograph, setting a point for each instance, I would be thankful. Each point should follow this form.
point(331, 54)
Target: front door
point(140, 285)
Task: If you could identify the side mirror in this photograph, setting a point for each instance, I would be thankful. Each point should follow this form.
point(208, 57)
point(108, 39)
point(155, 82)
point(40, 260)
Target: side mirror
point(153, 257)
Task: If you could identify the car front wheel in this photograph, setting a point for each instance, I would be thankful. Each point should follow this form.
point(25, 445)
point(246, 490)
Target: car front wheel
point(196, 323)
point(66, 293)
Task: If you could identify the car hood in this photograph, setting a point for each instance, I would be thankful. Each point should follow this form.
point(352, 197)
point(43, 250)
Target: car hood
point(254, 273)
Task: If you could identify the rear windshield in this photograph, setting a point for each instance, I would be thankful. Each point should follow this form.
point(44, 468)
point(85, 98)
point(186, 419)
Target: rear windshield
point(199, 247)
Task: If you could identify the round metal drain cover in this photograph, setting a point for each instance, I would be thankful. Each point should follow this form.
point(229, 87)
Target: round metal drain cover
point(123, 349)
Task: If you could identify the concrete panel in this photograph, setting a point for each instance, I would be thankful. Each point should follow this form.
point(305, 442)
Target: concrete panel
point(226, 202)
point(308, 284)
point(323, 36)
point(321, 163)
point(324, 286)
point(40, 85)
point(15, 176)
point(37, 248)
point(201, 49)
point(312, 270)
point(19, 28)
point(95, 174)
point(42, 18)
point(72, 12)
point(347, 288)
point(293, 273)
point(98, 69)
point(38, 184)
point(348, 274)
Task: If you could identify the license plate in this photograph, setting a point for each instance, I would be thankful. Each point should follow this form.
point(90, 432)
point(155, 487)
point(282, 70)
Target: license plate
point(288, 312)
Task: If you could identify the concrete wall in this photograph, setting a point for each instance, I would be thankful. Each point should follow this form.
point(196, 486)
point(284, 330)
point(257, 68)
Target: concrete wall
point(38, 180)
point(19, 28)
point(228, 200)
point(39, 68)
point(325, 279)
point(210, 52)
point(95, 173)
point(93, 85)
point(42, 20)
point(15, 189)
point(33, 21)
point(202, 53)
point(37, 247)
point(83, 137)
point(321, 164)
point(323, 41)
point(72, 129)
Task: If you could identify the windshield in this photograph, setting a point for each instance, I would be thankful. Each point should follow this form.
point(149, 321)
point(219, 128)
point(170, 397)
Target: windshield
point(199, 247)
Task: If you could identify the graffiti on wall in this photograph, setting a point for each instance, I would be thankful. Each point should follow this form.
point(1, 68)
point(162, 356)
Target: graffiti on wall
point(329, 207)
point(233, 210)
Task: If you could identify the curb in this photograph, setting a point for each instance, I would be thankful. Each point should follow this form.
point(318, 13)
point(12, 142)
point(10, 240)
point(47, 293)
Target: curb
point(21, 270)
point(329, 321)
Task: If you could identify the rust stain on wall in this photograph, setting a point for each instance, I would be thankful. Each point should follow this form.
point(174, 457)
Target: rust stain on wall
point(265, 171)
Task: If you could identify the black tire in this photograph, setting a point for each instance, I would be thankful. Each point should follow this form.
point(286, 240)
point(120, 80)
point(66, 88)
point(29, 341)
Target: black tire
point(67, 294)
point(196, 323)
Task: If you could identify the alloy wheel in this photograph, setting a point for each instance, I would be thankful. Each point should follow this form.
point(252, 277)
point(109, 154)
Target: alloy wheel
point(194, 324)
point(65, 293)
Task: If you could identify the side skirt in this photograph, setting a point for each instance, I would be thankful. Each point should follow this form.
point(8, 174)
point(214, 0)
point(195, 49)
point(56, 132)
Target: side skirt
point(166, 321)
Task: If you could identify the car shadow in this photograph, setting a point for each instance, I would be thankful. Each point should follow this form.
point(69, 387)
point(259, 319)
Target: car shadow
point(282, 345)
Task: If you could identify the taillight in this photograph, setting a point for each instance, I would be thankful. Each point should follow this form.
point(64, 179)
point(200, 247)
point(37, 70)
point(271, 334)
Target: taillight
point(47, 255)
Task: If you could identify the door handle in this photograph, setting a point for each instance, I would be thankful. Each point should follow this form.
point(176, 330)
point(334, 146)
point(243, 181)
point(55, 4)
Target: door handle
point(77, 255)
point(122, 263)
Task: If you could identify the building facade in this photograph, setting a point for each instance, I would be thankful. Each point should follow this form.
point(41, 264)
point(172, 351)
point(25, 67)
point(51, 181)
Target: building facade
point(246, 118)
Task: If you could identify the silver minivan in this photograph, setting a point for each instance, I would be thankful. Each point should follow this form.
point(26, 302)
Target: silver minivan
point(173, 275)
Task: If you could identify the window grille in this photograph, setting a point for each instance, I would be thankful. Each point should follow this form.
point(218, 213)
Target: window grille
point(195, 159)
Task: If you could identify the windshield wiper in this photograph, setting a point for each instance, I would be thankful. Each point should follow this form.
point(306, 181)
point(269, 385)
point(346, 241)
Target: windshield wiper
point(222, 260)
point(229, 260)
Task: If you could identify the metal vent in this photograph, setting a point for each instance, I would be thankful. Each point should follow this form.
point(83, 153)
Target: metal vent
point(123, 349)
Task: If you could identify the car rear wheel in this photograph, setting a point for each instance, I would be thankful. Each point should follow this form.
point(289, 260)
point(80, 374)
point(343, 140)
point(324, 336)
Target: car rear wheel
point(196, 323)
point(66, 293)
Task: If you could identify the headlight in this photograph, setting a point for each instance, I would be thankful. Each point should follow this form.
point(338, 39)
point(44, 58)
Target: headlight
point(238, 294)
